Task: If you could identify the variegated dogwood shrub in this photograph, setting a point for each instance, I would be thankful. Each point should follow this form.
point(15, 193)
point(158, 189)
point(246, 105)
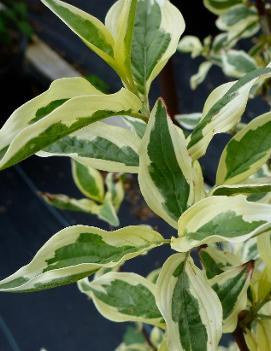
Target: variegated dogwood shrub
point(237, 20)
point(219, 278)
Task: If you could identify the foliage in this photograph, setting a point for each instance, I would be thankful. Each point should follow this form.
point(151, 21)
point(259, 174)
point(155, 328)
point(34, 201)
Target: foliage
point(97, 201)
point(237, 20)
point(103, 194)
point(219, 278)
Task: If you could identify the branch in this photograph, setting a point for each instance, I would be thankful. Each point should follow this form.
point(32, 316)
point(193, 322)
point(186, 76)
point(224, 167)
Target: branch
point(240, 339)
point(168, 88)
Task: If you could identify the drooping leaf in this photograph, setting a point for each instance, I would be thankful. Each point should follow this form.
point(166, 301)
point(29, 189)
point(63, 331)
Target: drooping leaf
point(105, 210)
point(108, 212)
point(88, 180)
point(264, 249)
point(157, 337)
point(123, 297)
point(260, 287)
point(191, 309)
point(135, 125)
point(165, 168)
point(200, 76)
point(19, 138)
point(220, 6)
point(239, 21)
point(258, 186)
point(263, 335)
point(78, 251)
point(236, 63)
point(105, 147)
point(60, 91)
point(259, 337)
point(220, 43)
point(216, 261)
point(246, 152)
point(231, 288)
point(223, 110)
point(221, 218)
point(189, 120)
point(116, 189)
point(190, 44)
point(64, 202)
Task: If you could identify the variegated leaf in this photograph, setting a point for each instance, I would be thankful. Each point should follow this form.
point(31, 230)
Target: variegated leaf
point(220, 6)
point(236, 63)
point(158, 27)
point(165, 168)
point(189, 120)
point(153, 275)
point(157, 337)
point(216, 261)
point(246, 152)
point(88, 180)
point(191, 309)
point(135, 125)
point(164, 346)
point(102, 146)
point(64, 202)
point(41, 122)
point(190, 44)
point(259, 338)
point(92, 31)
point(133, 339)
point(199, 185)
point(264, 249)
point(239, 21)
point(123, 297)
point(77, 252)
point(133, 347)
point(220, 43)
point(105, 210)
point(223, 110)
point(120, 21)
point(263, 336)
point(246, 251)
point(250, 340)
point(231, 288)
point(258, 186)
point(200, 76)
point(221, 218)
point(59, 92)
point(260, 286)
point(116, 189)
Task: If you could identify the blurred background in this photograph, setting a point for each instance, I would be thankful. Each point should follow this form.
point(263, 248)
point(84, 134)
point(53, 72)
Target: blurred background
point(36, 48)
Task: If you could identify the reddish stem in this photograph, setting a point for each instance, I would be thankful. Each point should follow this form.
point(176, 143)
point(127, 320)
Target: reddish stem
point(168, 88)
point(240, 339)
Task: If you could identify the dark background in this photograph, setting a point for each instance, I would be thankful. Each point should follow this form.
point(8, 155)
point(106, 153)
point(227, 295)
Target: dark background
point(63, 318)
